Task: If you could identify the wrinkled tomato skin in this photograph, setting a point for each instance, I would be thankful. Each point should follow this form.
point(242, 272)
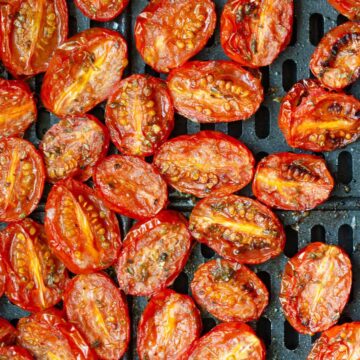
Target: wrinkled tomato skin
point(139, 273)
point(215, 91)
point(168, 326)
point(205, 163)
point(168, 33)
point(104, 11)
point(315, 287)
point(238, 228)
point(84, 71)
point(14, 353)
point(246, 41)
point(7, 333)
point(140, 115)
point(229, 291)
point(349, 8)
point(291, 181)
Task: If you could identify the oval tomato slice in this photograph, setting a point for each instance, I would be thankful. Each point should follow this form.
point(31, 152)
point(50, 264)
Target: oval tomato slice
point(349, 8)
point(229, 291)
point(292, 181)
point(140, 115)
point(315, 287)
point(82, 231)
point(237, 228)
point(313, 118)
point(102, 10)
point(153, 254)
point(215, 91)
point(168, 326)
point(14, 353)
point(208, 162)
point(7, 333)
point(73, 146)
point(30, 31)
point(84, 71)
point(248, 27)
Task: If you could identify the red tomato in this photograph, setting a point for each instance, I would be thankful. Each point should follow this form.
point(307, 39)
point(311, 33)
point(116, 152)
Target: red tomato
point(73, 146)
point(30, 31)
point(168, 33)
point(99, 310)
point(14, 353)
point(7, 333)
point(248, 27)
point(208, 162)
point(229, 291)
point(349, 8)
point(82, 231)
point(140, 115)
point(102, 10)
point(215, 91)
point(313, 118)
point(292, 181)
point(84, 71)
point(130, 186)
point(22, 177)
point(315, 287)
point(153, 254)
point(237, 228)
point(168, 326)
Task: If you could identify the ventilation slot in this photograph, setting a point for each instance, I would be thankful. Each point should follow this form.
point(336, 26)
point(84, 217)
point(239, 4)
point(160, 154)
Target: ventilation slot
point(291, 336)
point(289, 74)
point(345, 169)
point(206, 252)
point(181, 283)
point(263, 329)
point(316, 28)
point(292, 242)
point(318, 234)
point(262, 123)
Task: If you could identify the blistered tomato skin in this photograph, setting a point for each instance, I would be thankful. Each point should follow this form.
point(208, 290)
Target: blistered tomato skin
point(349, 8)
point(315, 287)
point(14, 353)
point(7, 333)
point(102, 10)
point(168, 326)
point(215, 91)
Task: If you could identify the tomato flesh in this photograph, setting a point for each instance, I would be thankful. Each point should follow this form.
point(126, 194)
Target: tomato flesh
point(349, 8)
point(7, 333)
point(102, 10)
point(14, 353)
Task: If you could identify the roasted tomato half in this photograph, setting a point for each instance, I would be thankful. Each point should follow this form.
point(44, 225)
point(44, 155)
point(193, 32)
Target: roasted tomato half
point(313, 118)
point(292, 181)
point(168, 326)
point(30, 31)
point(208, 162)
point(14, 353)
point(84, 71)
point(315, 287)
point(154, 253)
point(73, 146)
point(349, 8)
point(168, 33)
point(229, 291)
point(102, 10)
point(7, 333)
point(98, 309)
point(215, 91)
point(253, 33)
point(22, 177)
point(81, 230)
point(140, 115)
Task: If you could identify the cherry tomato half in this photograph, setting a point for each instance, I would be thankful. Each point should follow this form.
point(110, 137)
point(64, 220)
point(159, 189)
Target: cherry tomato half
point(237, 228)
point(168, 33)
point(248, 27)
point(84, 71)
point(153, 254)
point(292, 181)
point(168, 326)
point(14, 353)
point(315, 287)
point(81, 230)
point(102, 10)
point(7, 333)
point(30, 31)
point(349, 8)
point(140, 115)
point(208, 162)
point(313, 118)
point(215, 91)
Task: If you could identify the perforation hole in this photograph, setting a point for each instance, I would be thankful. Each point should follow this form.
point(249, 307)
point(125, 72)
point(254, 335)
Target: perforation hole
point(208, 324)
point(181, 283)
point(72, 25)
point(344, 319)
point(43, 123)
point(291, 336)
point(262, 123)
point(260, 155)
point(207, 126)
point(294, 33)
point(235, 129)
point(318, 234)
point(206, 252)
point(316, 28)
point(263, 329)
point(341, 19)
point(265, 79)
point(180, 127)
point(346, 239)
point(289, 74)
point(292, 242)
point(211, 41)
point(345, 168)
point(315, 337)
point(149, 70)
point(266, 279)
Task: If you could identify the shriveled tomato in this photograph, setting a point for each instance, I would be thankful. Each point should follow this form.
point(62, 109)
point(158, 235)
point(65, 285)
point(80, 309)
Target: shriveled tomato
point(315, 287)
point(208, 162)
point(253, 33)
point(30, 31)
point(14, 353)
point(140, 115)
point(292, 181)
point(22, 177)
point(84, 71)
point(168, 33)
point(130, 186)
point(153, 254)
point(81, 230)
point(313, 118)
point(73, 146)
point(168, 326)
point(215, 91)
point(102, 10)
point(98, 309)
point(349, 8)
point(7, 333)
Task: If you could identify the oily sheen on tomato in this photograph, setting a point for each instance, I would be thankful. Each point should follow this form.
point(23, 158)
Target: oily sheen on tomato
point(215, 91)
point(84, 71)
point(102, 10)
point(7, 333)
point(14, 353)
point(349, 8)
point(315, 287)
